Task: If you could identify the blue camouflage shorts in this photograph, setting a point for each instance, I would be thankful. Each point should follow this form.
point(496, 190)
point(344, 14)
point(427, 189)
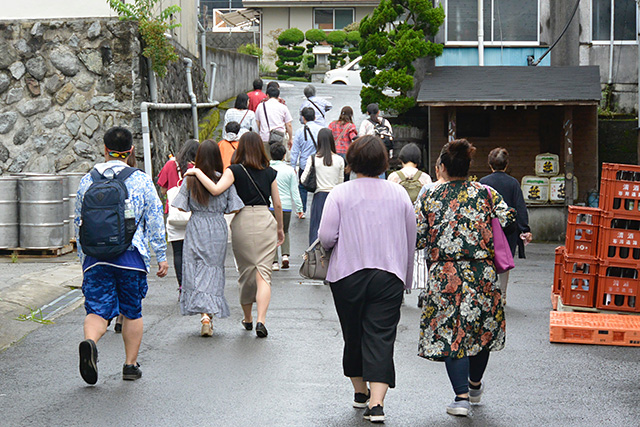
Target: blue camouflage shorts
point(109, 291)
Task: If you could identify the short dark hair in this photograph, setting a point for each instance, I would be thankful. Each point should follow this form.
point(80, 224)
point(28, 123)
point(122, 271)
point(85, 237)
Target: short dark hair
point(498, 159)
point(273, 92)
point(232, 127)
point(257, 84)
point(277, 151)
point(118, 139)
point(308, 113)
point(373, 109)
point(242, 101)
point(456, 157)
point(273, 83)
point(368, 156)
point(411, 153)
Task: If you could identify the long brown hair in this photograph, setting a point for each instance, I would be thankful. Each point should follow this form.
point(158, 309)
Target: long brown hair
point(326, 146)
point(346, 115)
point(209, 161)
point(250, 152)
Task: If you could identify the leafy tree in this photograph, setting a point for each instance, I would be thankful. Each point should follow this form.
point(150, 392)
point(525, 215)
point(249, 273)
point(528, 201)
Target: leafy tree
point(393, 37)
point(353, 39)
point(152, 28)
point(290, 54)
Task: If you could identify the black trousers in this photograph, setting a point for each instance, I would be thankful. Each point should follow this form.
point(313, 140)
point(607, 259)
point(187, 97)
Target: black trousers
point(462, 370)
point(368, 305)
point(176, 245)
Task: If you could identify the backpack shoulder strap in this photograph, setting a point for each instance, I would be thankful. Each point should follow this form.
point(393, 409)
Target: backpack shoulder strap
point(401, 176)
point(266, 116)
point(417, 175)
point(125, 173)
point(96, 176)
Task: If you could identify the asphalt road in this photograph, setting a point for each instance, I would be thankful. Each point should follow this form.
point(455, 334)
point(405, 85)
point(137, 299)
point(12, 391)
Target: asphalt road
point(294, 377)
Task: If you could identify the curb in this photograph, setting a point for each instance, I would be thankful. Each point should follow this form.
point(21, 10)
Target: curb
point(32, 291)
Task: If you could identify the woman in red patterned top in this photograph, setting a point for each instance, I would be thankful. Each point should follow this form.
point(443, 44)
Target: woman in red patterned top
point(344, 131)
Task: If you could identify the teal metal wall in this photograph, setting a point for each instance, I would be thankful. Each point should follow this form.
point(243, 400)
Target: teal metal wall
point(515, 56)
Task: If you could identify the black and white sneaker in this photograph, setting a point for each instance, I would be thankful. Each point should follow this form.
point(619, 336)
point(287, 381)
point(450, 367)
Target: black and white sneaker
point(88, 361)
point(375, 414)
point(360, 400)
point(131, 372)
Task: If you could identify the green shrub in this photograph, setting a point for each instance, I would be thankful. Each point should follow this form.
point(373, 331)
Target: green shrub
point(290, 37)
point(337, 38)
point(315, 36)
point(353, 38)
point(250, 49)
point(298, 79)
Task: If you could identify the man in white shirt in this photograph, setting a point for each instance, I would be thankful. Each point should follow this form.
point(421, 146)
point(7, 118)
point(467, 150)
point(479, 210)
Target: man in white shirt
point(305, 144)
point(319, 105)
point(272, 115)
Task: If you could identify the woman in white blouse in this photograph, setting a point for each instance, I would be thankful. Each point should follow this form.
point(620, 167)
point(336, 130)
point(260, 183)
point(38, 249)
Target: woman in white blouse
point(242, 115)
point(329, 173)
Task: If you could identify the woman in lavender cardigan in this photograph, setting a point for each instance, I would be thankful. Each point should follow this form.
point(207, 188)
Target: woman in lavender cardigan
point(371, 226)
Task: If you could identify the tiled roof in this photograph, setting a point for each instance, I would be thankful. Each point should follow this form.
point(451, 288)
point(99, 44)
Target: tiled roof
point(510, 85)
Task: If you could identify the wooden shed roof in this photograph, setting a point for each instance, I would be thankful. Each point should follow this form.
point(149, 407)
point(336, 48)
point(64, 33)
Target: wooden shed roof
point(490, 86)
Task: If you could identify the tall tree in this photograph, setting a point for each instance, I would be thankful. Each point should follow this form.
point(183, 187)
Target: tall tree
point(393, 37)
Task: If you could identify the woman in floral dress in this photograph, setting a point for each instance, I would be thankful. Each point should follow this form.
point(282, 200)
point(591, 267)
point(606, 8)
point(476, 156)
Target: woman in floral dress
point(463, 318)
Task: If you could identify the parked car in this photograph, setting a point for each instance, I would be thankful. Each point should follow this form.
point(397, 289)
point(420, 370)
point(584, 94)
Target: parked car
point(346, 75)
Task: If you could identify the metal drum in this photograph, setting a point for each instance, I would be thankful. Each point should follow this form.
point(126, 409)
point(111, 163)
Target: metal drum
point(9, 223)
point(65, 209)
point(74, 183)
point(41, 212)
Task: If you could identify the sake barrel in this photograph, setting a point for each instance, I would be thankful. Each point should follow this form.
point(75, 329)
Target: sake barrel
point(535, 189)
point(42, 212)
point(547, 164)
point(9, 223)
point(557, 189)
point(74, 183)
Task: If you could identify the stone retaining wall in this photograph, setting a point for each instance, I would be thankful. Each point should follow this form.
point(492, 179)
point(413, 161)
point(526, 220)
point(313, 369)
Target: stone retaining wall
point(64, 83)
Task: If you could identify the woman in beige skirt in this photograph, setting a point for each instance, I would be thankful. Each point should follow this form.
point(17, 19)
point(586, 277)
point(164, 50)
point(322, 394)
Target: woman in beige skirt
point(255, 234)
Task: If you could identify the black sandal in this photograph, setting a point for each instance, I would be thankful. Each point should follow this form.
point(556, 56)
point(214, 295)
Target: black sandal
point(247, 325)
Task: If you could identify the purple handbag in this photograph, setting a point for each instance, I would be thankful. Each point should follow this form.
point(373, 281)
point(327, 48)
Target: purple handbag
point(503, 259)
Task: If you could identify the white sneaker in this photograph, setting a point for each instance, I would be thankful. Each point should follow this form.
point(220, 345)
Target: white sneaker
point(460, 408)
point(285, 261)
point(275, 266)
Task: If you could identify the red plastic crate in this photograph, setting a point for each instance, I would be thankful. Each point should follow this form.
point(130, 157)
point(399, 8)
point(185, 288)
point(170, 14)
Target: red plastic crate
point(579, 281)
point(557, 271)
point(620, 189)
point(582, 231)
point(615, 292)
point(619, 239)
point(594, 328)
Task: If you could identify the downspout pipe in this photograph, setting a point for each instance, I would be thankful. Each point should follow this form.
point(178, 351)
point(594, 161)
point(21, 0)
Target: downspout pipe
point(203, 46)
point(192, 95)
point(214, 69)
point(481, 33)
point(146, 133)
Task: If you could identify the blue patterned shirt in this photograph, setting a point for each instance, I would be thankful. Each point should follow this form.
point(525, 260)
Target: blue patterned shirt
point(148, 209)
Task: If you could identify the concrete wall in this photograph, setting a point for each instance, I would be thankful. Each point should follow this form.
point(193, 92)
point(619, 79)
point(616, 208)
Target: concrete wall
point(235, 74)
point(51, 9)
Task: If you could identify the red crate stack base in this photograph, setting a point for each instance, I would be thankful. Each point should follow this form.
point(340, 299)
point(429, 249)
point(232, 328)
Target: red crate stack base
point(558, 269)
point(579, 281)
point(582, 231)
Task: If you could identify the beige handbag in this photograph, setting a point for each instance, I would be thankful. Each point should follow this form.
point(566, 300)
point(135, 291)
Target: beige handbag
point(315, 262)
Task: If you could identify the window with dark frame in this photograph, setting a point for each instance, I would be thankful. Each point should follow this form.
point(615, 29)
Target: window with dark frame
point(332, 19)
point(470, 124)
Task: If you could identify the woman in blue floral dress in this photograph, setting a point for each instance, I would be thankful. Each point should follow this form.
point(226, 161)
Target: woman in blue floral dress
point(463, 318)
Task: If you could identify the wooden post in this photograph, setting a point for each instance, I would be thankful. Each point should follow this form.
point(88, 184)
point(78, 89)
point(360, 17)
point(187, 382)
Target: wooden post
point(567, 127)
point(452, 124)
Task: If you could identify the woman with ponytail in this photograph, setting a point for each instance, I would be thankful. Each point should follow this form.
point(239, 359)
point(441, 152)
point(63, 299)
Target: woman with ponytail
point(463, 317)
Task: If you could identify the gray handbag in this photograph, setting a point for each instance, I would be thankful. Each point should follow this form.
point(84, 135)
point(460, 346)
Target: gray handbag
point(315, 262)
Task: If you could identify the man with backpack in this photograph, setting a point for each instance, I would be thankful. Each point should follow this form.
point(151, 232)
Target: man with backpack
point(118, 215)
point(378, 126)
point(410, 177)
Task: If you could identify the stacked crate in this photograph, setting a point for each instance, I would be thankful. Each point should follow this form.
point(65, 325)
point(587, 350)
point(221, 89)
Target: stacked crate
point(619, 240)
